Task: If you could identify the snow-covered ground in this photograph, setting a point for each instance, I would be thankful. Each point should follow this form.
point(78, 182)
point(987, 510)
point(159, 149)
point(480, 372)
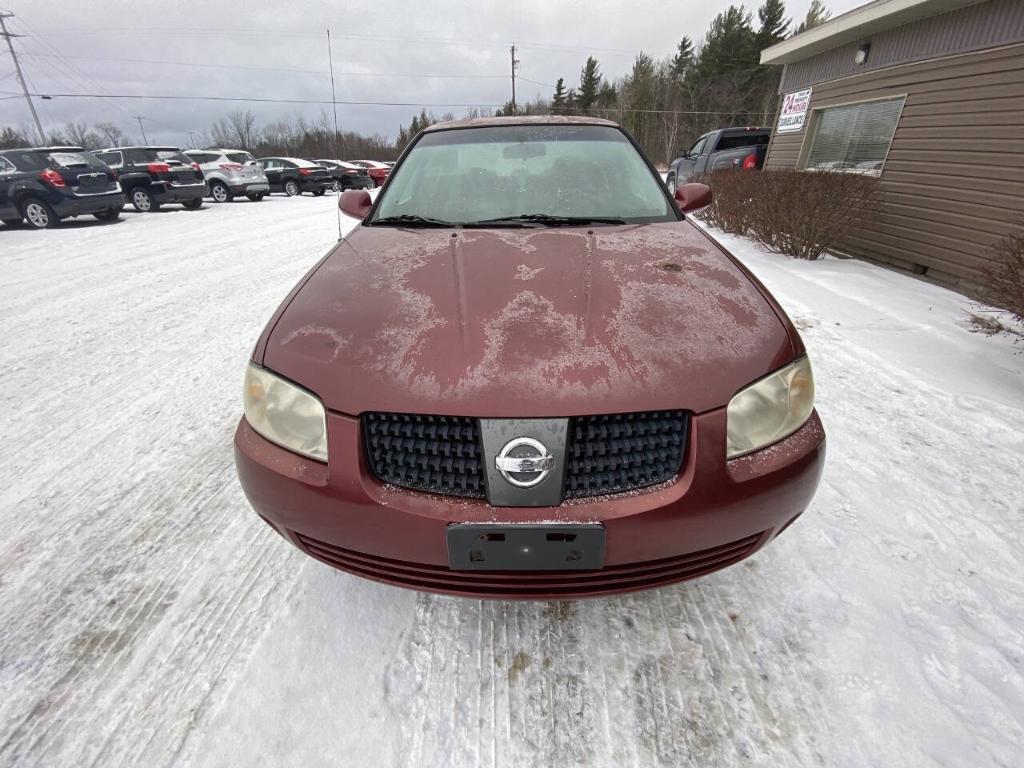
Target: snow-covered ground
point(149, 618)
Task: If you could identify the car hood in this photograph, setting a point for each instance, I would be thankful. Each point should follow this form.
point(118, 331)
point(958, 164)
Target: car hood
point(527, 323)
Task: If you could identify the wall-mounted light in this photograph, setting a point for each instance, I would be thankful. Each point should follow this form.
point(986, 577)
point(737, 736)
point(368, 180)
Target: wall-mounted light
point(861, 57)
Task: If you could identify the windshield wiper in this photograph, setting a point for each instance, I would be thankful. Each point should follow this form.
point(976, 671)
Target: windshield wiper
point(545, 220)
point(413, 220)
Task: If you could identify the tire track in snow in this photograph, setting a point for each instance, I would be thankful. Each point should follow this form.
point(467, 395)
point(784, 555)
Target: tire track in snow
point(137, 600)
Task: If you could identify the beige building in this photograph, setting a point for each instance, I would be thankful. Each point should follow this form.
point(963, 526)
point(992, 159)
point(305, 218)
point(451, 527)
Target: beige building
point(927, 96)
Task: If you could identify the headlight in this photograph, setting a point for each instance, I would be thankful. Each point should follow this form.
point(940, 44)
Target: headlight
point(285, 413)
point(770, 409)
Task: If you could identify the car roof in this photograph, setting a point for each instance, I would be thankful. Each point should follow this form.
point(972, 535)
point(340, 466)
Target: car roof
point(217, 149)
point(141, 146)
point(43, 149)
point(488, 122)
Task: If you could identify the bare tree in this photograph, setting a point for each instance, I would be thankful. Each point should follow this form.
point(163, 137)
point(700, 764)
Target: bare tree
point(112, 136)
point(237, 130)
point(81, 135)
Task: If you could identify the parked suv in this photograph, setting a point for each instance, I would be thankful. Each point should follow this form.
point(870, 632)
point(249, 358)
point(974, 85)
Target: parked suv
point(741, 148)
point(43, 185)
point(154, 176)
point(346, 175)
point(230, 172)
point(293, 176)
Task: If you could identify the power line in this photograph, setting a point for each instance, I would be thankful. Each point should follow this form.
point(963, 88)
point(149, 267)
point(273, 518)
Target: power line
point(253, 100)
point(535, 82)
point(351, 35)
point(80, 78)
point(8, 36)
point(246, 67)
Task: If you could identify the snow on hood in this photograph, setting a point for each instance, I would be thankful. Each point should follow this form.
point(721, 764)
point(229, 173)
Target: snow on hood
point(527, 323)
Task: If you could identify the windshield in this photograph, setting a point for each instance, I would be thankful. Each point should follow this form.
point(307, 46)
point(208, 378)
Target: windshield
point(472, 175)
point(242, 158)
point(74, 160)
point(34, 160)
point(149, 155)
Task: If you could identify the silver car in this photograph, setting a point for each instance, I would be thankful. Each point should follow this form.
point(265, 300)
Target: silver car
point(231, 172)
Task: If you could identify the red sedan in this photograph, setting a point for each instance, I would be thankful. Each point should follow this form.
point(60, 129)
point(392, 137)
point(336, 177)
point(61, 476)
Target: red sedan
point(378, 171)
point(526, 374)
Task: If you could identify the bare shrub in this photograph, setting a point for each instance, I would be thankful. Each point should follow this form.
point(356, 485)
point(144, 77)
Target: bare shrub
point(733, 202)
point(798, 213)
point(1004, 275)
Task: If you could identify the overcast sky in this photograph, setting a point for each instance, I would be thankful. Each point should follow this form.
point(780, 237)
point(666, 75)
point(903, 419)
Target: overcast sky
point(378, 47)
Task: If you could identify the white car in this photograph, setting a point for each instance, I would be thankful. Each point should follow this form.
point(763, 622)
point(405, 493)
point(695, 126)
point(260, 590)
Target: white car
point(231, 172)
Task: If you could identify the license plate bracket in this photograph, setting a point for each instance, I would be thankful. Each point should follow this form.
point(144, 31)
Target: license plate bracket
point(525, 547)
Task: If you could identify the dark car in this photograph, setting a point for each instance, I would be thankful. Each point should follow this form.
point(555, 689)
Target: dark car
point(155, 176)
point(544, 383)
point(379, 172)
point(293, 176)
point(346, 175)
point(43, 185)
point(738, 148)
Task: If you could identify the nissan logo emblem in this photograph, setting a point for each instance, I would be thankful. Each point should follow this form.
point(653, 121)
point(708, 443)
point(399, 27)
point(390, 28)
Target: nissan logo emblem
point(524, 462)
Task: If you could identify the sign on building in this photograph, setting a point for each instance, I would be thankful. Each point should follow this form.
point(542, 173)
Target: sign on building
point(794, 108)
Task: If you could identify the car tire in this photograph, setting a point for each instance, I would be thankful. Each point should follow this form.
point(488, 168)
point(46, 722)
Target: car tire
point(670, 182)
point(335, 186)
point(291, 188)
point(371, 184)
point(143, 201)
point(111, 214)
point(255, 196)
point(13, 222)
point(220, 193)
point(38, 213)
point(193, 205)
point(319, 192)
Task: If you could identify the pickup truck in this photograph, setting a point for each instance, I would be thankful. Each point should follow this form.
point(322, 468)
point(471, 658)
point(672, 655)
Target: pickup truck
point(725, 148)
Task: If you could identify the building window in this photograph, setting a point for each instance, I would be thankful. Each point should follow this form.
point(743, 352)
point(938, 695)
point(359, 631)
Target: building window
point(854, 137)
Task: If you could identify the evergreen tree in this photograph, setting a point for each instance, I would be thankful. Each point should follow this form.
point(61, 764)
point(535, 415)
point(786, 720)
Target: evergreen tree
point(640, 92)
point(817, 14)
point(590, 83)
point(683, 59)
point(607, 96)
point(730, 44)
point(559, 98)
point(774, 24)
point(571, 101)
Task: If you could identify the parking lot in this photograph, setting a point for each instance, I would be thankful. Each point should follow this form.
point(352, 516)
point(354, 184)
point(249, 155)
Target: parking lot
point(150, 618)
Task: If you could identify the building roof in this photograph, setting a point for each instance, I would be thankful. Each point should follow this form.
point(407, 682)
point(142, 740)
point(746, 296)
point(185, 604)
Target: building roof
point(856, 25)
point(486, 122)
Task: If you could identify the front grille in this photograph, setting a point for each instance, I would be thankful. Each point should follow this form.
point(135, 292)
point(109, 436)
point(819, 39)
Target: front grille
point(533, 584)
point(605, 454)
point(440, 454)
point(623, 452)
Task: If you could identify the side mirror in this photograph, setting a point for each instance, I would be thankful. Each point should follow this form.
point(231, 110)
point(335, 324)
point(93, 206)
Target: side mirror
point(355, 203)
point(691, 197)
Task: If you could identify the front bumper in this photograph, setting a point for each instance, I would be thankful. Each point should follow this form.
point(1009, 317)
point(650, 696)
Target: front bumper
point(179, 193)
point(83, 205)
point(715, 514)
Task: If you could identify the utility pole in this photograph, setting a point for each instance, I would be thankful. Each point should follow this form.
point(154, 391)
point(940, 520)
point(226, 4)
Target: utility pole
point(140, 118)
point(334, 100)
point(515, 61)
point(17, 68)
